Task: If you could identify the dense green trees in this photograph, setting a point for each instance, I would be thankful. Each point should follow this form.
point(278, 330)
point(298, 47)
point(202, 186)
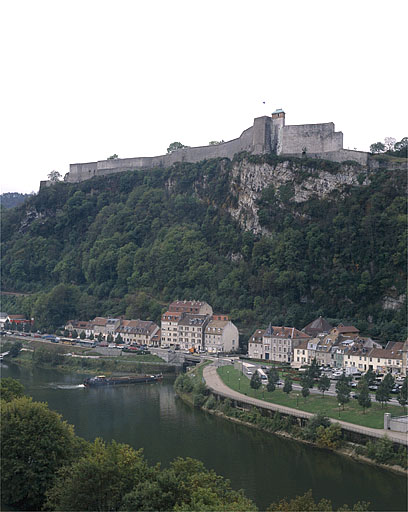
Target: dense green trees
point(10, 389)
point(99, 478)
point(307, 503)
point(129, 243)
point(35, 443)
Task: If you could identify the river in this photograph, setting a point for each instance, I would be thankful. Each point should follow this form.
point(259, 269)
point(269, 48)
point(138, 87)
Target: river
point(267, 467)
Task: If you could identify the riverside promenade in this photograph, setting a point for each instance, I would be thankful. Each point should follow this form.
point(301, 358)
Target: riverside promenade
point(216, 385)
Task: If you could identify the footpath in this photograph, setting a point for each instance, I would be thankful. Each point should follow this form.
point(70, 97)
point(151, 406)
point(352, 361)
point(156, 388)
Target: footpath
point(216, 385)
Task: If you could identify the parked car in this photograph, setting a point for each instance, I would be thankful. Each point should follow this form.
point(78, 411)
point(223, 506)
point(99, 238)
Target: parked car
point(373, 387)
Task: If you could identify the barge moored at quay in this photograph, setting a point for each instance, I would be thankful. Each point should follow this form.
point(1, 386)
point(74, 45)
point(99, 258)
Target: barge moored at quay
point(102, 380)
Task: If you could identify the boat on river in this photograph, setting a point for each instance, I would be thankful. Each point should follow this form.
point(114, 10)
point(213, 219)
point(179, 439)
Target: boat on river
point(102, 380)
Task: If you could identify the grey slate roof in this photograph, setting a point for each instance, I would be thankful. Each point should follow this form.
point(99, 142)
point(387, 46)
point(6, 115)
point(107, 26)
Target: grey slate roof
point(317, 326)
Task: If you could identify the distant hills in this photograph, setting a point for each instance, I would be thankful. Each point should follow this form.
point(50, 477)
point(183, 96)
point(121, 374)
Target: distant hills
point(262, 238)
point(12, 199)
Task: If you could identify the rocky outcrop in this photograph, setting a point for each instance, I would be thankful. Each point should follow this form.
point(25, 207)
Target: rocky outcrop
point(249, 179)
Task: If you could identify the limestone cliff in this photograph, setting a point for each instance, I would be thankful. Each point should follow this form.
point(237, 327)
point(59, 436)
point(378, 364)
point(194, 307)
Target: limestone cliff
point(249, 179)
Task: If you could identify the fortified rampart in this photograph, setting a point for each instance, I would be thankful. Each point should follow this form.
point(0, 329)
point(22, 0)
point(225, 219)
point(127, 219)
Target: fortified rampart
point(267, 135)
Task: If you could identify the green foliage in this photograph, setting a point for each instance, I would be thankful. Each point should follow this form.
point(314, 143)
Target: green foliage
point(364, 397)
point(43, 356)
point(381, 451)
point(323, 384)
point(183, 383)
point(389, 381)
point(271, 386)
point(306, 380)
point(129, 243)
point(382, 394)
point(211, 403)
point(186, 485)
point(174, 146)
point(377, 147)
point(369, 377)
point(309, 432)
point(314, 372)
point(35, 444)
point(99, 479)
point(329, 437)
point(343, 390)
point(15, 349)
point(10, 389)
point(307, 503)
point(255, 382)
point(287, 387)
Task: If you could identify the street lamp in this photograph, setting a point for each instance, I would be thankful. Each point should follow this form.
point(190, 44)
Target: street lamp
point(339, 409)
point(297, 399)
point(239, 383)
point(228, 376)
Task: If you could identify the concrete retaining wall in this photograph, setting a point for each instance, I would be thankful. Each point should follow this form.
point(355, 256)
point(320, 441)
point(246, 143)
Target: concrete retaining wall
point(397, 424)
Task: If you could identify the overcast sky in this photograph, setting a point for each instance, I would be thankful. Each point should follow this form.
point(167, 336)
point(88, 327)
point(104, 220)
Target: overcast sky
point(83, 79)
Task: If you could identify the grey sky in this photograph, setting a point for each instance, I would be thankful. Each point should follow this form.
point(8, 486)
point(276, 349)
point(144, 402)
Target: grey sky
point(85, 79)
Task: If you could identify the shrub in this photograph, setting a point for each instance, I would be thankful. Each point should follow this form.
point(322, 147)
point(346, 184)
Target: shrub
point(310, 430)
point(329, 437)
point(198, 400)
point(211, 402)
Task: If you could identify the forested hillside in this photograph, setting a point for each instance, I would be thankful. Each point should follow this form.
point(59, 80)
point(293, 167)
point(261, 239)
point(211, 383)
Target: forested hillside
point(129, 243)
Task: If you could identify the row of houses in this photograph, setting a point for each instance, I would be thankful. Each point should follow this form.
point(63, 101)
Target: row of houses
point(334, 347)
point(186, 325)
point(140, 332)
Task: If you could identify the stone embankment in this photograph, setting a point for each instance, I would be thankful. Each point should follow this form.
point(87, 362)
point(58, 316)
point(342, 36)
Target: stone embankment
point(217, 387)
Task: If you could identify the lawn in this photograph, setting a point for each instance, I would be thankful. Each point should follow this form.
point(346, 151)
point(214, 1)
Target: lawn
point(327, 405)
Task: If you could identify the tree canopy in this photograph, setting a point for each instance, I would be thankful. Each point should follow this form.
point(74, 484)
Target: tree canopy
point(174, 146)
point(35, 444)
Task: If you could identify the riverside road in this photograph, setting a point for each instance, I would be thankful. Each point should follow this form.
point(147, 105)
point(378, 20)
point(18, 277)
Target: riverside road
point(214, 382)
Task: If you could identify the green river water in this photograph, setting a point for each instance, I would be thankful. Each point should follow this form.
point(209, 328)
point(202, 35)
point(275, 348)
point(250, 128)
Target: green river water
point(267, 467)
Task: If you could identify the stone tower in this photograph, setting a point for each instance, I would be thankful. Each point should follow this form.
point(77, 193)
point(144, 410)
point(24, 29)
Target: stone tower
point(278, 122)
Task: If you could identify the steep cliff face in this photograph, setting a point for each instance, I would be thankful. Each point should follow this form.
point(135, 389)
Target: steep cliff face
point(249, 179)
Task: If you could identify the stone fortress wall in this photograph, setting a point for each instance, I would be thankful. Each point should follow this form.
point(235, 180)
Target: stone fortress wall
point(267, 135)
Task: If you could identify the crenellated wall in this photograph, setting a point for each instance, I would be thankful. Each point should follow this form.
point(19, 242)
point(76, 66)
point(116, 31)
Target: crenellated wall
point(267, 135)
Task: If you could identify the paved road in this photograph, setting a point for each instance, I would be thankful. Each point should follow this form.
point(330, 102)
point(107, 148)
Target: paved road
point(215, 383)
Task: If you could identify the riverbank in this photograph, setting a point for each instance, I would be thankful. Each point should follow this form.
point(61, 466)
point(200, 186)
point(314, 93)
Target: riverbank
point(57, 358)
point(316, 432)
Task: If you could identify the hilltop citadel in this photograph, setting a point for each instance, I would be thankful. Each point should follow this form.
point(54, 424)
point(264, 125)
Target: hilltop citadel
point(266, 135)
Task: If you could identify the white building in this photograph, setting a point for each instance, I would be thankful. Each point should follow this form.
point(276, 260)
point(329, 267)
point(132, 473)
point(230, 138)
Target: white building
point(221, 336)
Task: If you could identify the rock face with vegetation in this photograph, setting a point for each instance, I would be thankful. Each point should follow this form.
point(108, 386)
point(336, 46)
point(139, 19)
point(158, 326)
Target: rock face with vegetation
point(264, 238)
